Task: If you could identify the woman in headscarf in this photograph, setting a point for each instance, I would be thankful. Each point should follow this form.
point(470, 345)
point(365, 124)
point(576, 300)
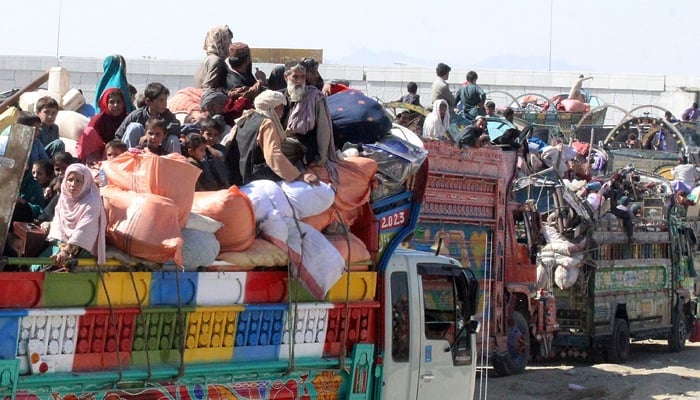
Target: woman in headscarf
point(276, 79)
point(101, 128)
point(263, 148)
point(114, 76)
point(79, 223)
point(438, 121)
point(212, 71)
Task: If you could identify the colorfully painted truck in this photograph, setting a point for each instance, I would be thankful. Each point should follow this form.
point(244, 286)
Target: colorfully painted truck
point(469, 213)
point(611, 288)
point(401, 329)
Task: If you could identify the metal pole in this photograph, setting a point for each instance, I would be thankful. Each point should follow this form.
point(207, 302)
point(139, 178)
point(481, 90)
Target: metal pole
point(550, 35)
point(58, 33)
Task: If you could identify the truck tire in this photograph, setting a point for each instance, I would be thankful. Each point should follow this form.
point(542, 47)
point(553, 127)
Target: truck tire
point(516, 358)
point(679, 332)
point(619, 344)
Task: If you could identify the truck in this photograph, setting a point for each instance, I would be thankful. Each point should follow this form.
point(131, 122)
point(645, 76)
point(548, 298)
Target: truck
point(403, 328)
point(470, 214)
point(611, 288)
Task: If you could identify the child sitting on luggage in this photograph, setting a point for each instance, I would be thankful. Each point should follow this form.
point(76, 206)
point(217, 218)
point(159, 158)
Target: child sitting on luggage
point(114, 148)
point(212, 129)
point(152, 140)
point(132, 129)
point(210, 179)
point(47, 109)
point(42, 172)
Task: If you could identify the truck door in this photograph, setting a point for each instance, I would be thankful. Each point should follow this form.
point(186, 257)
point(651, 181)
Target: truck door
point(422, 358)
point(447, 352)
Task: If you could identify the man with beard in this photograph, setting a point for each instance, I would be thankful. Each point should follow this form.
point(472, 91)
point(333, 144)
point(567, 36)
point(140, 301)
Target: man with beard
point(468, 137)
point(306, 117)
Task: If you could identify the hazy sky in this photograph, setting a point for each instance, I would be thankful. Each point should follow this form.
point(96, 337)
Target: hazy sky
point(617, 36)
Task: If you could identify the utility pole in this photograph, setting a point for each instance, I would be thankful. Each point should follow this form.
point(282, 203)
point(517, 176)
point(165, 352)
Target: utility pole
point(549, 69)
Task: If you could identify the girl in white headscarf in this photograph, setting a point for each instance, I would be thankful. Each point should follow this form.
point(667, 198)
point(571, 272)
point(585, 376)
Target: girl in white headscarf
point(437, 123)
point(79, 223)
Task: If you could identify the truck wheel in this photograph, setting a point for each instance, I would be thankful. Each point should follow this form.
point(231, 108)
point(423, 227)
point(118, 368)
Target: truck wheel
point(619, 345)
point(516, 358)
point(679, 332)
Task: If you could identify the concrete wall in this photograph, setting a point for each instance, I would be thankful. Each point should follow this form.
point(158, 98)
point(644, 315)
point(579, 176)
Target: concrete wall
point(386, 83)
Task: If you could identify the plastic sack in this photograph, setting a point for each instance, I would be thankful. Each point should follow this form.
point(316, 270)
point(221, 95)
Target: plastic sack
point(199, 249)
point(169, 176)
point(266, 196)
point(321, 221)
point(356, 178)
point(565, 278)
point(308, 200)
point(232, 208)
point(358, 252)
point(315, 262)
point(202, 223)
point(572, 105)
point(260, 253)
point(131, 219)
point(543, 277)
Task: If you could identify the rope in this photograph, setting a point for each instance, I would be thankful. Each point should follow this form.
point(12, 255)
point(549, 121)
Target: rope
point(181, 327)
point(343, 348)
point(143, 323)
point(292, 361)
point(112, 320)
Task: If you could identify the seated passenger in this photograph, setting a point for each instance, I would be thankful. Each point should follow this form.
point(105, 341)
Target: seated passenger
point(131, 131)
point(152, 140)
point(78, 226)
point(437, 123)
point(210, 178)
point(264, 150)
point(102, 127)
point(47, 109)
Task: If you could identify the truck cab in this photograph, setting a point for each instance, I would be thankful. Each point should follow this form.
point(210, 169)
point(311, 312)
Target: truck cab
point(430, 334)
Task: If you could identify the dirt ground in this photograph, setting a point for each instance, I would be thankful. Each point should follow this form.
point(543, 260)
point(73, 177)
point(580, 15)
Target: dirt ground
point(651, 373)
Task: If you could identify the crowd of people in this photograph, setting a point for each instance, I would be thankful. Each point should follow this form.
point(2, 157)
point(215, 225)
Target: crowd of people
point(236, 126)
point(244, 127)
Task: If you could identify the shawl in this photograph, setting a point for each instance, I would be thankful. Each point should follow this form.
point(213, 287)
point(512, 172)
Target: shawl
point(80, 220)
point(105, 123)
point(114, 76)
point(302, 117)
point(433, 126)
point(217, 41)
point(265, 104)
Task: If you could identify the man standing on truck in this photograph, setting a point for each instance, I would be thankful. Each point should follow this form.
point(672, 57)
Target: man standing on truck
point(472, 97)
point(440, 88)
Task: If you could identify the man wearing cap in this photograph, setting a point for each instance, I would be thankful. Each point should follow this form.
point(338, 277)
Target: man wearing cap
point(468, 137)
point(241, 84)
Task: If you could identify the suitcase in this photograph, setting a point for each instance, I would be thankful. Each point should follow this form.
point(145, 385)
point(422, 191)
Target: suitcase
point(32, 239)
